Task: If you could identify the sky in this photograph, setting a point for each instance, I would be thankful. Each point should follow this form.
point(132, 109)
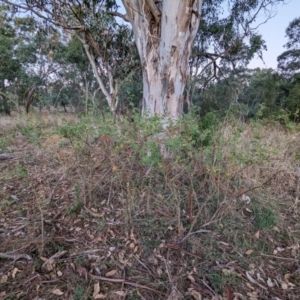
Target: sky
point(273, 32)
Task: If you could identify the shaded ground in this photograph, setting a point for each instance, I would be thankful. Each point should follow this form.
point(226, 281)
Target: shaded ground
point(90, 222)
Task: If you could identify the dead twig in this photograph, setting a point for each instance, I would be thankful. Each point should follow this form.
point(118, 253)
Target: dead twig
point(279, 257)
point(124, 281)
point(12, 230)
point(177, 247)
point(51, 259)
point(5, 156)
point(15, 257)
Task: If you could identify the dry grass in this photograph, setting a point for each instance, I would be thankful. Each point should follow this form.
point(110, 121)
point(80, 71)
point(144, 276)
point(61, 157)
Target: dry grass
point(84, 214)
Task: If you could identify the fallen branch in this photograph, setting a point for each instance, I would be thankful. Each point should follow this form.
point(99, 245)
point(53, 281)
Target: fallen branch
point(12, 230)
point(124, 281)
point(177, 247)
point(5, 156)
point(15, 257)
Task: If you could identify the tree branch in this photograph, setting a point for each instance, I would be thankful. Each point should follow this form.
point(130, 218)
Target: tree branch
point(154, 10)
point(117, 14)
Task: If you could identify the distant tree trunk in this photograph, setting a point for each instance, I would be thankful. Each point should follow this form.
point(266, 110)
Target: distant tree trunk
point(164, 32)
point(4, 106)
point(29, 98)
point(111, 93)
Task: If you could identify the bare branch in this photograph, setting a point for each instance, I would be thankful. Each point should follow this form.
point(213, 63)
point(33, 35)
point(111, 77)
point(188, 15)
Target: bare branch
point(154, 10)
point(117, 14)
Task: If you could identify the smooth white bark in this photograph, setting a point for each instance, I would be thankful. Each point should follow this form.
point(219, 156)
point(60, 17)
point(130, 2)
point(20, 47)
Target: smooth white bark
point(110, 95)
point(164, 35)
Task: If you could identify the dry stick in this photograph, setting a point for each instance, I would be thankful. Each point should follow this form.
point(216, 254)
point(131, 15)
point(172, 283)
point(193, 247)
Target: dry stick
point(5, 156)
point(13, 230)
point(53, 190)
point(177, 247)
point(212, 220)
point(15, 257)
point(124, 281)
point(278, 257)
point(56, 255)
point(259, 186)
point(140, 262)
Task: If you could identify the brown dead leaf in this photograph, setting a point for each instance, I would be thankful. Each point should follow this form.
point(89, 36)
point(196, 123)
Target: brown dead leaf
point(100, 296)
point(229, 292)
point(256, 235)
point(253, 296)
point(96, 293)
point(120, 293)
point(191, 278)
point(14, 272)
point(111, 273)
point(57, 292)
point(287, 277)
point(248, 252)
point(195, 294)
point(4, 279)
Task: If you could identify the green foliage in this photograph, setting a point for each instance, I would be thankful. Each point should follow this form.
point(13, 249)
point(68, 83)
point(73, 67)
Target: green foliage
point(265, 217)
point(20, 172)
point(218, 281)
point(79, 293)
point(76, 207)
point(32, 130)
point(200, 131)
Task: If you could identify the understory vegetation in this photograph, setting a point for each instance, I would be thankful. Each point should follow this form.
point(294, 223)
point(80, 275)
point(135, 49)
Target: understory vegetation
point(91, 210)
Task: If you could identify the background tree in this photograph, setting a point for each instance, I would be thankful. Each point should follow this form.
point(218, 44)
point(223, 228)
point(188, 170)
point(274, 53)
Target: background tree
point(289, 68)
point(164, 32)
point(9, 67)
point(289, 61)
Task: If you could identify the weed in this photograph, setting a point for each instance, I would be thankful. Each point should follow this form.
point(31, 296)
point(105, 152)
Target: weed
point(219, 280)
point(4, 143)
point(79, 293)
point(133, 296)
point(20, 172)
point(265, 217)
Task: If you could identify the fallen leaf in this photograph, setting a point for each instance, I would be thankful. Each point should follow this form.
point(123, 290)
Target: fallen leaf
point(195, 294)
point(120, 293)
point(3, 278)
point(191, 278)
point(270, 282)
point(96, 293)
point(229, 292)
point(253, 296)
point(14, 272)
point(57, 292)
point(100, 296)
point(287, 277)
point(111, 273)
point(96, 289)
point(248, 252)
point(284, 286)
point(256, 235)
point(252, 280)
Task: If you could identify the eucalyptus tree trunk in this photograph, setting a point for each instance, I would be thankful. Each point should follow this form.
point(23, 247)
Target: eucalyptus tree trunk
point(164, 32)
point(111, 94)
